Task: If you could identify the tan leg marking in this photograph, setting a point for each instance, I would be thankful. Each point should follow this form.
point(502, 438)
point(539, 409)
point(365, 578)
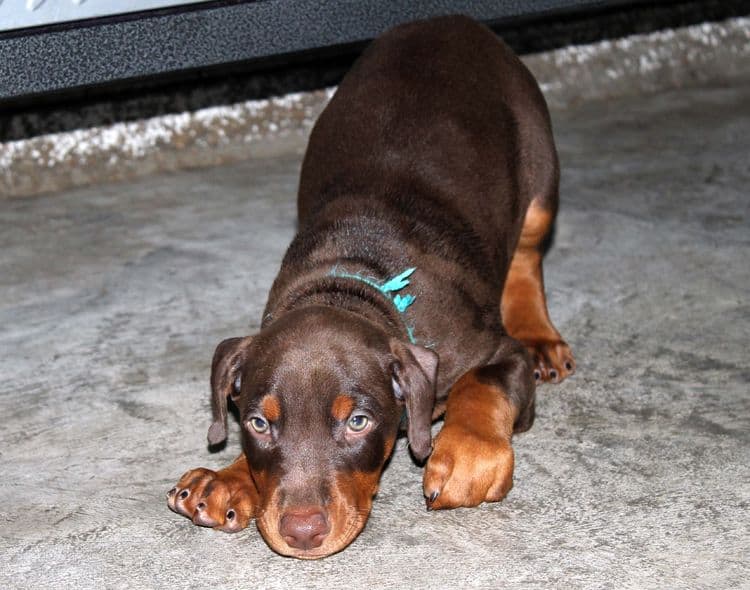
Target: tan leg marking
point(524, 305)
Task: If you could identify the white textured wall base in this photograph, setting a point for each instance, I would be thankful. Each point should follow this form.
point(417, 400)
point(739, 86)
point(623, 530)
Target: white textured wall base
point(700, 54)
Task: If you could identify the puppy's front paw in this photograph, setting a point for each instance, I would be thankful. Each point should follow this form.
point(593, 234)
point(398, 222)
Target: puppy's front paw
point(467, 468)
point(216, 499)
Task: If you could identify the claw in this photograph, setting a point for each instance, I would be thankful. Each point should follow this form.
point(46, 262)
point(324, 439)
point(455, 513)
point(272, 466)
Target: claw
point(201, 518)
point(431, 499)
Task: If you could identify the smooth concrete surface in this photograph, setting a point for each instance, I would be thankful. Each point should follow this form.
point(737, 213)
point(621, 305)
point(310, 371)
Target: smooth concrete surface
point(635, 474)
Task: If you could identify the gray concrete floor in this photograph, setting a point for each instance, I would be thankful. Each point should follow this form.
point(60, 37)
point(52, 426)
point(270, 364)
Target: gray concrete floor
point(635, 475)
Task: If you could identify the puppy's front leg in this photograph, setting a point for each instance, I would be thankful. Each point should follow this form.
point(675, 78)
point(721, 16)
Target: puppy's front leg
point(472, 461)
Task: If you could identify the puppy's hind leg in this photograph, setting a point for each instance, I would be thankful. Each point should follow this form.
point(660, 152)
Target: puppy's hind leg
point(524, 305)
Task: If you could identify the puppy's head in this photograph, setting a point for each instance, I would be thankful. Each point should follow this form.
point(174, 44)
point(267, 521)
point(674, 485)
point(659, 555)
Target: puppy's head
point(321, 393)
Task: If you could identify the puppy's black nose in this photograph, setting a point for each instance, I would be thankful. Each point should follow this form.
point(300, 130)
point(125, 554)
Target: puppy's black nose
point(304, 528)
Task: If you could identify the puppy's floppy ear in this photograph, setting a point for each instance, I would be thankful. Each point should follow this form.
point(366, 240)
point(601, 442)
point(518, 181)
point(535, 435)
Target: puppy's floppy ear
point(226, 371)
point(414, 378)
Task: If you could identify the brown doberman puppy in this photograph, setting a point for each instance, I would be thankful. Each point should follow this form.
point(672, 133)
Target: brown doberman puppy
point(429, 185)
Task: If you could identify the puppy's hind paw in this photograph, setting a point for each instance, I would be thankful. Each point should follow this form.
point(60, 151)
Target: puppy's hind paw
point(553, 360)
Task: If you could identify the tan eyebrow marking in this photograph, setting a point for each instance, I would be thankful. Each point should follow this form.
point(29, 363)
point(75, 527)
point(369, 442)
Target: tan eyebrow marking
point(341, 407)
point(271, 407)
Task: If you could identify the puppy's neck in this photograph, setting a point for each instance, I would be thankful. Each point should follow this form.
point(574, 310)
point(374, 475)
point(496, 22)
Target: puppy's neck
point(322, 288)
point(341, 256)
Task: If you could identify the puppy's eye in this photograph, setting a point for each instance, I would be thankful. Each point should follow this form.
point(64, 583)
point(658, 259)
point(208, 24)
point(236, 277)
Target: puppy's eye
point(258, 424)
point(358, 423)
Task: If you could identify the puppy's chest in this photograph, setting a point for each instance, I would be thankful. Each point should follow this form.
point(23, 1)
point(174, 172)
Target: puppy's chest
point(459, 321)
